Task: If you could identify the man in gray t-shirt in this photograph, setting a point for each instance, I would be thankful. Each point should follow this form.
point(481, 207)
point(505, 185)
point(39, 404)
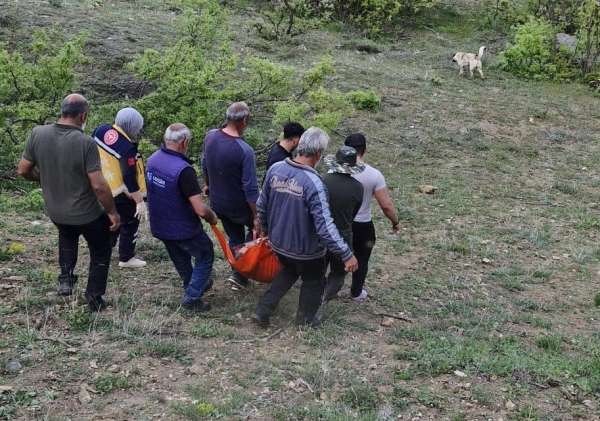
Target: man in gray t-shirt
point(77, 197)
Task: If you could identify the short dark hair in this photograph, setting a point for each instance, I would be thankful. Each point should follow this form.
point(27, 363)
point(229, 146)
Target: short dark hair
point(73, 107)
point(292, 129)
point(358, 141)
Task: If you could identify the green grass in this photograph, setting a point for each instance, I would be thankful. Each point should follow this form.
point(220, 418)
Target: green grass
point(510, 191)
point(162, 348)
point(108, 383)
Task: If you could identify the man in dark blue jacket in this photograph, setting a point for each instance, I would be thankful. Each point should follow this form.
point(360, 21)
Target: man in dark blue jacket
point(293, 211)
point(229, 167)
point(175, 206)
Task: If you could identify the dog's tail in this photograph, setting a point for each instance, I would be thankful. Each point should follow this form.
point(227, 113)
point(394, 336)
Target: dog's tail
point(482, 51)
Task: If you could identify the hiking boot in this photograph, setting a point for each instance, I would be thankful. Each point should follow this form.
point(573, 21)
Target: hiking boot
point(262, 322)
point(362, 297)
point(195, 305)
point(65, 285)
point(238, 282)
point(133, 263)
point(96, 303)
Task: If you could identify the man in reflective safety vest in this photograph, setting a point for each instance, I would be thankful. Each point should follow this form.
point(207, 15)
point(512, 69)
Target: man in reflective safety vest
point(123, 168)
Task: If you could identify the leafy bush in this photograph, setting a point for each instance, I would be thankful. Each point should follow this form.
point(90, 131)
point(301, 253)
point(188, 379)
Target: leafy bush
point(375, 15)
point(283, 19)
point(31, 87)
point(588, 35)
point(532, 54)
point(563, 14)
point(504, 14)
point(199, 75)
point(365, 100)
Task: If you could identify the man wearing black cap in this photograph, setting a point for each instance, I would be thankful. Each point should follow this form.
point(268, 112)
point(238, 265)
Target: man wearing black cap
point(345, 199)
point(363, 230)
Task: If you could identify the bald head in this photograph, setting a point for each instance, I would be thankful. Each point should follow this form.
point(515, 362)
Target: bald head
point(73, 106)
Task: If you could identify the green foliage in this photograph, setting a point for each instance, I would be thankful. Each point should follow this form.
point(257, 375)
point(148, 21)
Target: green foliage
point(200, 74)
point(373, 17)
point(109, 382)
point(551, 343)
point(597, 300)
point(79, 319)
point(361, 396)
point(283, 19)
point(365, 100)
point(504, 14)
point(532, 55)
point(563, 14)
point(588, 35)
point(32, 83)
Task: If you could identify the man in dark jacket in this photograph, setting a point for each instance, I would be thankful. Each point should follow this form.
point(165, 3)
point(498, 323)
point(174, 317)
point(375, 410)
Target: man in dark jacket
point(345, 199)
point(284, 148)
point(229, 167)
point(294, 212)
point(175, 206)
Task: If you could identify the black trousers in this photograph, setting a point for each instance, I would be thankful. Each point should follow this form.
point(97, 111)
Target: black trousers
point(335, 277)
point(98, 237)
point(239, 231)
point(312, 273)
point(363, 241)
point(127, 233)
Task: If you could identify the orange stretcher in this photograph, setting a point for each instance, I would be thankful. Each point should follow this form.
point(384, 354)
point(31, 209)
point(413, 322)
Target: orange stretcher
point(255, 259)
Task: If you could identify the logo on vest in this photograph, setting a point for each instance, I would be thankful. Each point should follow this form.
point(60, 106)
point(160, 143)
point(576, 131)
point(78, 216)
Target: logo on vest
point(111, 137)
point(289, 186)
point(157, 181)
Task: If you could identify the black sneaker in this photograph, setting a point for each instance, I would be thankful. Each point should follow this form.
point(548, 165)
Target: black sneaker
point(262, 322)
point(198, 305)
point(65, 285)
point(96, 304)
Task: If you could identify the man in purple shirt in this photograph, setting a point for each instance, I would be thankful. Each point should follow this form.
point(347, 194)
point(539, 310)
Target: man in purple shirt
point(229, 168)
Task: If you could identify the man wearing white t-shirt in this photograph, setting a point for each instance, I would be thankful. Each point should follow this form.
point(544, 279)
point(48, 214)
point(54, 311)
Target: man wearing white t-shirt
point(363, 230)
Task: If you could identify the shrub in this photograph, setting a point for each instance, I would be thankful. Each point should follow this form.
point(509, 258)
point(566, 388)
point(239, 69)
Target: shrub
point(588, 35)
point(373, 17)
point(283, 19)
point(532, 55)
point(563, 14)
point(199, 75)
point(31, 87)
point(365, 100)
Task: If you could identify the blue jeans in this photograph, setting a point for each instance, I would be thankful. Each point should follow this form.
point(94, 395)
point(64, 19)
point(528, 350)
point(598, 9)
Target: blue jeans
point(195, 279)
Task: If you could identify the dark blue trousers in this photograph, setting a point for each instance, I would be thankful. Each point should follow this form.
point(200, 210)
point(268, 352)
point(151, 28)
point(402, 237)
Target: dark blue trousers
point(195, 278)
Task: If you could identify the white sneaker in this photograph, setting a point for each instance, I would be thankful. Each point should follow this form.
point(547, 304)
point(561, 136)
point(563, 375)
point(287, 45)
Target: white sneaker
point(133, 263)
point(362, 297)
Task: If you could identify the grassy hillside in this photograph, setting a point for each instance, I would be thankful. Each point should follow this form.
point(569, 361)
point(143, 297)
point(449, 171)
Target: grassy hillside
point(490, 286)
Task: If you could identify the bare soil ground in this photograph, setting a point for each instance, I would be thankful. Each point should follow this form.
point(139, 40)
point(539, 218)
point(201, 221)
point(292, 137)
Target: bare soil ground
point(490, 286)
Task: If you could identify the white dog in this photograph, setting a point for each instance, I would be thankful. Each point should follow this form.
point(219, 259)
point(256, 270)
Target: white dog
point(469, 59)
